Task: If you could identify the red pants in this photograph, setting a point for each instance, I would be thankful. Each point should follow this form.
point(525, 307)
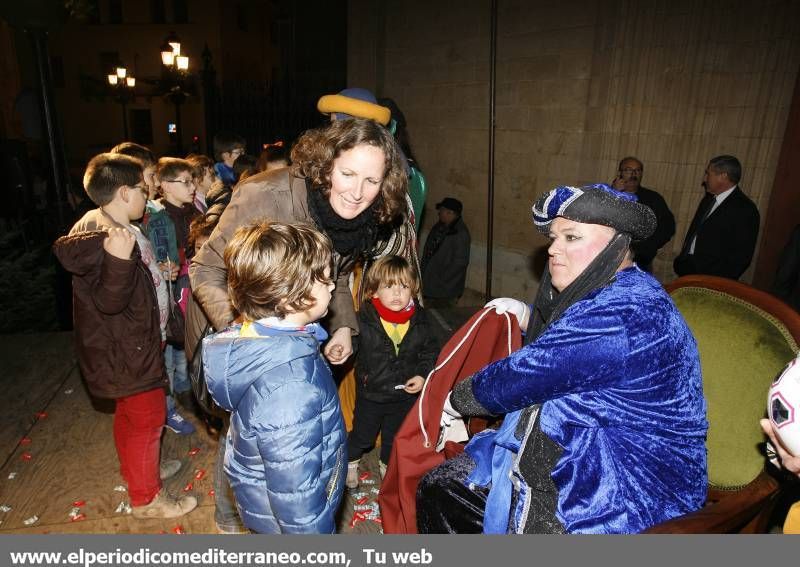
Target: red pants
point(138, 422)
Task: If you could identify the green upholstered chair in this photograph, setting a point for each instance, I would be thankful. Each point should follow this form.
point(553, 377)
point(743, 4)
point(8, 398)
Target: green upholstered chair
point(745, 337)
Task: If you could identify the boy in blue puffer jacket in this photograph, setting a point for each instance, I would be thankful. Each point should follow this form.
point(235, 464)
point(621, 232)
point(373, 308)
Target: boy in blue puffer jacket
point(285, 451)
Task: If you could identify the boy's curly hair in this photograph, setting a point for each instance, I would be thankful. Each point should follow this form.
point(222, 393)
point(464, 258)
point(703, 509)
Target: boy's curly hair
point(272, 267)
point(314, 153)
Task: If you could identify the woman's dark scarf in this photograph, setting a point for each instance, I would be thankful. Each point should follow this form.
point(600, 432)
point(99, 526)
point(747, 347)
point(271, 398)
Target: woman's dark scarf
point(353, 237)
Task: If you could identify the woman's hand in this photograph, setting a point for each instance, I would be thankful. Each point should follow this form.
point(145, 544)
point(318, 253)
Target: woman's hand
point(414, 385)
point(515, 307)
point(340, 346)
point(787, 460)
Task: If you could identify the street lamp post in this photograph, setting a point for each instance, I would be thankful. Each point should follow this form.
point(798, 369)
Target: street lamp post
point(176, 69)
point(122, 84)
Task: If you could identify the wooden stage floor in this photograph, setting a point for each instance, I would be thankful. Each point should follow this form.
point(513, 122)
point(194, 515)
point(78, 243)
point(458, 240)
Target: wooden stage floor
point(57, 452)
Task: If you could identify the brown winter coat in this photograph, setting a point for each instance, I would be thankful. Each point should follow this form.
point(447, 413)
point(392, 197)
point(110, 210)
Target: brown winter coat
point(117, 332)
point(273, 195)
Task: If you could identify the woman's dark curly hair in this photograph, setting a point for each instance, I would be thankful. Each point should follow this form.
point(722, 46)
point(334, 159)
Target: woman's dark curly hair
point(313, 155)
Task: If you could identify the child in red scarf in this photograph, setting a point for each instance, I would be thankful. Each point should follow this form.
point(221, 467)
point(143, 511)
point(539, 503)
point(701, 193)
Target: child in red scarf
point(396, 350)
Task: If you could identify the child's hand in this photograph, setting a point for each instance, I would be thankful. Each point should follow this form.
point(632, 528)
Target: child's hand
point(340, 346)
point(414, 385)
point(119, 243)
point(169, 270)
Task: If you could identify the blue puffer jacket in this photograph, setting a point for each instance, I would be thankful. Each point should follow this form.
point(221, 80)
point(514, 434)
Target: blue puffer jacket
point(285, 450)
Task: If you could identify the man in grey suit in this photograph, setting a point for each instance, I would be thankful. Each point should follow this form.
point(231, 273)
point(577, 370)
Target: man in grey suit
point(722, 237)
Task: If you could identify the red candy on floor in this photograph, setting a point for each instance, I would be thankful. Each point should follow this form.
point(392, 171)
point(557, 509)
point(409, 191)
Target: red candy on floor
point(194, 451)
point(41, 414)
point(363, 500)
point(357, 517)
point(178, 530)
point(79, 503)
point(364, 476)
point(78, 517)
point(188, 487)
point(199, 474)
point(26, 456)
point(25, 441)
point(212, 493)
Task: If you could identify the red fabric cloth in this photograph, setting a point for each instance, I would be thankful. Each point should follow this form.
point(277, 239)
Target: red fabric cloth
point(410, 458)
point(138, 422)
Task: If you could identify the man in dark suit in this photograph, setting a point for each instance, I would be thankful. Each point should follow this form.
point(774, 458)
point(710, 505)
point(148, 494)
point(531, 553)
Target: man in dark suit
point(722, 237)
point(629, 178)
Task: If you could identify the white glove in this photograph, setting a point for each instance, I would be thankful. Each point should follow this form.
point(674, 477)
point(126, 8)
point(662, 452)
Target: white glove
point(451, 425)
point(517, 308)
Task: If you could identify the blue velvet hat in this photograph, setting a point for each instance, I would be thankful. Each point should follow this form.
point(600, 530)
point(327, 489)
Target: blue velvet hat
point(595, 204)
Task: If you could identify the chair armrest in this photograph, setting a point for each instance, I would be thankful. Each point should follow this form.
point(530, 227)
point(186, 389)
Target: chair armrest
point(724, 511)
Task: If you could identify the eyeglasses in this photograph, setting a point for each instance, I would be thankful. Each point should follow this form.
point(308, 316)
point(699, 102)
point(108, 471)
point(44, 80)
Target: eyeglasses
point(186, 182)
point(237, 152)
point(629, 171)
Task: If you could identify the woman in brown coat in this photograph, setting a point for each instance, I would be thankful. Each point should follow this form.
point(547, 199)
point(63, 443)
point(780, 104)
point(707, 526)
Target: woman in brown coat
point(348, 179)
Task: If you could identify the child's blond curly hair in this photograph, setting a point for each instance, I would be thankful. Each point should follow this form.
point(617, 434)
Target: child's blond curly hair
point(272, 268)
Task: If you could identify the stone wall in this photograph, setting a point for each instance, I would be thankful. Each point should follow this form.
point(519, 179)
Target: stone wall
point(580, 84)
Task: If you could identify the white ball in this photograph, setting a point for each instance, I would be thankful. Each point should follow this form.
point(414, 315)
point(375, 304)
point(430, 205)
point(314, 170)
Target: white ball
point(783, 406)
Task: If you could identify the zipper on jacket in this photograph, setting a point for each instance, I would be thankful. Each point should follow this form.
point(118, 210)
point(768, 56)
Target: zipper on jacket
point(337, 471)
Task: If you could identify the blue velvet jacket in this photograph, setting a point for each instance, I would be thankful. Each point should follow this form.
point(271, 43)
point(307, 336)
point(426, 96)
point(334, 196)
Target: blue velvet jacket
point(618, 380)
point(285, 452)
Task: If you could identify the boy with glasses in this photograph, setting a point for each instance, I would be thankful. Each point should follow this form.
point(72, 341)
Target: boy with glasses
point(116, 285)
point(166, 224)
point(227, 147)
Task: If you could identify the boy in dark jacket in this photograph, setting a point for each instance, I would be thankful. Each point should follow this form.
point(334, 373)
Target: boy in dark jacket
point(166, 224)
point(285, 448)
point(396, 351)
point(117, 326)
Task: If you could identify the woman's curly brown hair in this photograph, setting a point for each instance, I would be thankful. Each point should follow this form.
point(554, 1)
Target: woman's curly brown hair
point(272, 268)
point(313, 155)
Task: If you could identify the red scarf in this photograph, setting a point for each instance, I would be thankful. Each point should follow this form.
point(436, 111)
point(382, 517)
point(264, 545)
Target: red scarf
point(396, 317)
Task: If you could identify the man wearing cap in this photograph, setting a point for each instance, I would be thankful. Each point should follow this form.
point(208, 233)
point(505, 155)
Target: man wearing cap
point(629, 179)
point(604, 419)
point(446, 256)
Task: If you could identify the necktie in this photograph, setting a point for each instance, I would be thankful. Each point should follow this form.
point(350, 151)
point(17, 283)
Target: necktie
point(700, 216)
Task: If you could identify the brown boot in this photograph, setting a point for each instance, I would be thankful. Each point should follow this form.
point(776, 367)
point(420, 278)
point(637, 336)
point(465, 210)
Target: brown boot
point(165, 506)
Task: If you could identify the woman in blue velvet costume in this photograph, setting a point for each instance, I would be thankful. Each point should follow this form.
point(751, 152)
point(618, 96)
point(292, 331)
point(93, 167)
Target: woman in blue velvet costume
point(604, 416)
